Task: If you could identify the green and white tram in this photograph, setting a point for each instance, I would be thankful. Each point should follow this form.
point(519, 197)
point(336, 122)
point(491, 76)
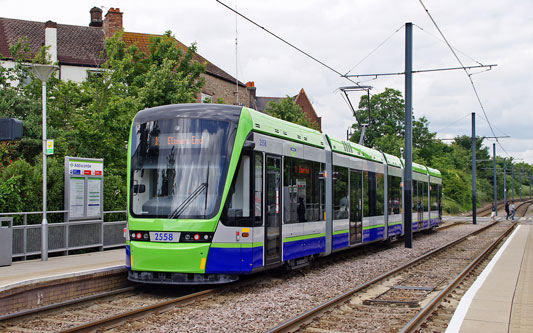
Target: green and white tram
point(218, 191)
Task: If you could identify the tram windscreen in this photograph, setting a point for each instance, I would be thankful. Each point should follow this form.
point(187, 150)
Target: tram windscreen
point(179, 167)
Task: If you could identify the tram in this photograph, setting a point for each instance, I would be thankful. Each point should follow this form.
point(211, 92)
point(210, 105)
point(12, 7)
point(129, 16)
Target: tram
point(219, 191)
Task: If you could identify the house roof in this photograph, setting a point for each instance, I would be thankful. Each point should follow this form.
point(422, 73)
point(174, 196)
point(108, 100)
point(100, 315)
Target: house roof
point(80, 45)
point(303, 96)
point(76, 45)
point(142, 41)
point(261, 102)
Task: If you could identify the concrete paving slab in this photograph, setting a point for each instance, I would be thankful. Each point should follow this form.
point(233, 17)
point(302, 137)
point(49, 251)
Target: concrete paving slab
point(483, 326)
point(31, 271)
point(497, 311)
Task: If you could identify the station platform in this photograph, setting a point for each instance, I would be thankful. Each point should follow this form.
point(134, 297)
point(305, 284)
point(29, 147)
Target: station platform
point(34, 271)
point(32, 284)
point(501, 299)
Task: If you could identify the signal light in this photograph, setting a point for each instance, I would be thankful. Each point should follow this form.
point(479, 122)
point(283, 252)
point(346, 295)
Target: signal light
point(196, 237)
point(139, 235)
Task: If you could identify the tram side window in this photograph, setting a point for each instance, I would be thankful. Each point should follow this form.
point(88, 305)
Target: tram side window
point(434, 194)
point(416, 198)
point(425, 196)
point(340, 193)
point(380, 194)
point(258, 189)
point(302, 190)
point(238, 210)
point(395, 195)
point(369, 193)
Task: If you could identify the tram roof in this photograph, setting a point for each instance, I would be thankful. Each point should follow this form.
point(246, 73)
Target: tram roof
point(434, 172)
point(263, 123)
point(357, 150)
point(393, 160)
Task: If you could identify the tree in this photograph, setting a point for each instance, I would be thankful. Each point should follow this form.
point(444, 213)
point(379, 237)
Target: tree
point(287, 110)
point(386, 128)
point(88, 119)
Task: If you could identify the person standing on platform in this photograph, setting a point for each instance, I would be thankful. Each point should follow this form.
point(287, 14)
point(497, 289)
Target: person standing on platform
point(493, 214)
point(513, 210)
point(507, 210)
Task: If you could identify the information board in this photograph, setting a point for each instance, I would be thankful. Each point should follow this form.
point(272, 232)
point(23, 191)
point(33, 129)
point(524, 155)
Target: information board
point(84, 188)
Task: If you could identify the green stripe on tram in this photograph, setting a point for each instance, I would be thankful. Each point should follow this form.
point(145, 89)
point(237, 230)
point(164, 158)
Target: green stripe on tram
point(395, 223)
point(345, 231)
point(374, 226)
point(236, 245)
point(297, 238)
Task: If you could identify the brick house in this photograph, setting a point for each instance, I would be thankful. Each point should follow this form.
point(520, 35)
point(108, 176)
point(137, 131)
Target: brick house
point(78, 49)
point(301, 99)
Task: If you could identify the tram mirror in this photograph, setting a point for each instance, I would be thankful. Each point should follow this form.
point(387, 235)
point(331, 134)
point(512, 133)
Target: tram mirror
point(249, 145)
point(139, 188)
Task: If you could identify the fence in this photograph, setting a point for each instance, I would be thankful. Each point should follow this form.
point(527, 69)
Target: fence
point(66, 236)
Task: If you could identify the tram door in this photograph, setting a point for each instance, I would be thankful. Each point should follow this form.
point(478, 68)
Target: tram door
point(273, 210)
point(356, 223)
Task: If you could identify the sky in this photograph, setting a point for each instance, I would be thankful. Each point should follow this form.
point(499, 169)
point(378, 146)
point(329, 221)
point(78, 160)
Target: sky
point(345, 35)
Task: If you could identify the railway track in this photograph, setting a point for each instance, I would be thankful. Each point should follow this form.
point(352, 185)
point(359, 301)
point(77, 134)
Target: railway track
point(387, 302)
point(82, 315)
point(131, 306)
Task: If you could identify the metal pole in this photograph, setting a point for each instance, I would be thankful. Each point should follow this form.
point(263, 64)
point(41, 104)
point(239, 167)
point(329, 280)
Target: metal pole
point(512, 181)
point(495, 189)
point(504, 181)
point(474, 213)
point(529, 184)
point(44, 225)
point(520, 173)
point(408, 175)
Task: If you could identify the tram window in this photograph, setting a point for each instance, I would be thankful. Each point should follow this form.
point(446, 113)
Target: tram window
point(239, 208)
point(394, 195)
point(380, 194)
point(433, 199)
point(425, 194)
point(373, 194)
point(301, 191)
point(416, 197)
point(258, 189)
point(340, 193)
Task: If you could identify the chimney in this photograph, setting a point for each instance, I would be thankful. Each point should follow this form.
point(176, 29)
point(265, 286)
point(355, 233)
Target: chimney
point(250, 86)
point(50, 39)
point(112, 22)
point(96, 17)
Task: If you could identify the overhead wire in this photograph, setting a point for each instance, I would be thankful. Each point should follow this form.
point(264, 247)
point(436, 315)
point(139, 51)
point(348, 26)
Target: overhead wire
point(286, 42)
point(375, 49)
point(467, 73)
point(440, 40)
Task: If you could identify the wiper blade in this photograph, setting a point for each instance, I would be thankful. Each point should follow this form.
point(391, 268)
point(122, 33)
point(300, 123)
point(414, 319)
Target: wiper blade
point(179, 210)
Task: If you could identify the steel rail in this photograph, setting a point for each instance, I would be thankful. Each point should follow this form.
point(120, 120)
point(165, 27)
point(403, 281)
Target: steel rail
point(419, 318)
point(139, 313)
point(294, 323)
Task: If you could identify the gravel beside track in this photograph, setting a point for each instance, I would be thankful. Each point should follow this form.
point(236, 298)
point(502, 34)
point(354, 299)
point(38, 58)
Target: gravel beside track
point(262, 306)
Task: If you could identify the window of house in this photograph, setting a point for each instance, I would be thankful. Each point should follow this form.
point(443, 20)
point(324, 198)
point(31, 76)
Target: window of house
point(206, 98)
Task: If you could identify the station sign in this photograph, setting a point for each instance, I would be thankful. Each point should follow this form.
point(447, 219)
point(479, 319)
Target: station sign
point(84, 188)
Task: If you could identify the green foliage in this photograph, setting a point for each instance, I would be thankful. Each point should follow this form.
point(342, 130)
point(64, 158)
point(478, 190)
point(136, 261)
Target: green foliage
point(287, 110)
point(386, 133)
point(88, 119)
point(386, 124)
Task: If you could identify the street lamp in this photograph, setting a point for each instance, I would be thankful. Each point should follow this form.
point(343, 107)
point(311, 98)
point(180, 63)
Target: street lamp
point(44, 72)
